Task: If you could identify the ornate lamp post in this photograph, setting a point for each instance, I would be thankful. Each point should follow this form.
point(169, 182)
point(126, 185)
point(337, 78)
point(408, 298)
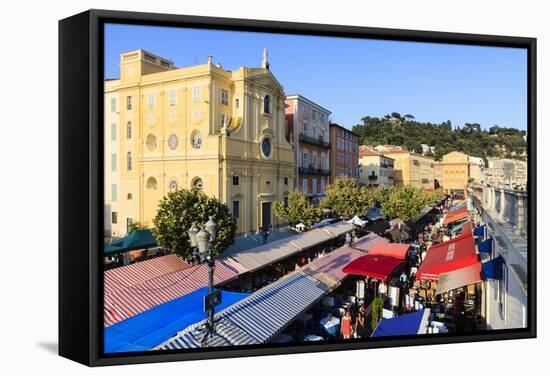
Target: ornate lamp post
point(203, 239)
point(265, 231)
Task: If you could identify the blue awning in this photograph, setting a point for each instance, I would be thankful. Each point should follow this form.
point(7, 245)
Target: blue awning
point(408, 324)
point(479, 231)
point(485, 246)
point(156, 325)
point(259, 317)
point(492, 269)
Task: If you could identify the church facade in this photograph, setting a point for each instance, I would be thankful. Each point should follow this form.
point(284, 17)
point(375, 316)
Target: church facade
point(200, 126)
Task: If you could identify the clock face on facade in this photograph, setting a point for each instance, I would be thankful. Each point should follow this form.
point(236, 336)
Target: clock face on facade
point(173, 142)
point(266, 147)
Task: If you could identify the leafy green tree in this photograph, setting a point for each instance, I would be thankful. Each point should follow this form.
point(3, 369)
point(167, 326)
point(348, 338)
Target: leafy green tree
point(298, 209)
point(376, 313)
point(381, 195)
point(179, 209)
point(346, 197)
point(137, 226)
point(405, 202)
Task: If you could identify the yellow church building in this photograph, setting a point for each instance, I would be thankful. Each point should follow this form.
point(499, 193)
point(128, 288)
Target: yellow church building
point(200, 126)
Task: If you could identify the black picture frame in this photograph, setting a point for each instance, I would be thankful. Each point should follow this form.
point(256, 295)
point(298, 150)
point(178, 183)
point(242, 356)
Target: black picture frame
point(81, 182)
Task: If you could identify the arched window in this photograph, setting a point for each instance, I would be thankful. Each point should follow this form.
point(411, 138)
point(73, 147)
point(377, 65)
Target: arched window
point(152, 183)
point(197, 183)
point(129, 196)
point(267, 104)
point(129, 161)
point(129, 130)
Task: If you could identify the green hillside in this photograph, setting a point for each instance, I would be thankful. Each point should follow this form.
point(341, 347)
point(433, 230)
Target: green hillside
point(408, 133)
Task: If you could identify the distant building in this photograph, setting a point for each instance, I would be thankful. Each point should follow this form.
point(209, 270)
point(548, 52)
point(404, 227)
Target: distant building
point(387, 148)
point(427, 149)
point(308, 129)
point(503, 172)
point(344, 152)
point(375, 169)
point(455, 172)
point(437, 174)
point(411, 168)
point(475, 166)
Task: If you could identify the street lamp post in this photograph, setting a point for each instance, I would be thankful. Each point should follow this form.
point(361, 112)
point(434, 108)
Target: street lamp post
point(203, 239)
point(265, 231)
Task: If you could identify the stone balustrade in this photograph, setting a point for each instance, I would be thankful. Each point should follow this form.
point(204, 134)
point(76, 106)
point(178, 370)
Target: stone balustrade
point(509, 205)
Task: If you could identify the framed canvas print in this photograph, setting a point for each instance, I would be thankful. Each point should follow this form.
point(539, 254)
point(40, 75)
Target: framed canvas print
point(241, 187)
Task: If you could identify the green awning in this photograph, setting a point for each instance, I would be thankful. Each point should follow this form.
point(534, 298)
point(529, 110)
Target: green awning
point(140, 239)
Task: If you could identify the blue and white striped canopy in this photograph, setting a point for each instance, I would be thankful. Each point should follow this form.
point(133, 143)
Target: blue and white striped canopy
point(257, 318)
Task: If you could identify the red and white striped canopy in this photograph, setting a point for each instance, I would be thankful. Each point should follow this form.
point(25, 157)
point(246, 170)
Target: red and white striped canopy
point(133, 289)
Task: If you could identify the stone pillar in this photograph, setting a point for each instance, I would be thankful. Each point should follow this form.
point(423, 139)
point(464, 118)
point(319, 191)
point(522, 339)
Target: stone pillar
point(490, 198)
point(520, 216)
point(502, 206)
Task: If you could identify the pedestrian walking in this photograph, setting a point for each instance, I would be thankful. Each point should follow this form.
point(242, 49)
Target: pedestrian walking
point(345, 326)
point(360, 328)
point(382, 290)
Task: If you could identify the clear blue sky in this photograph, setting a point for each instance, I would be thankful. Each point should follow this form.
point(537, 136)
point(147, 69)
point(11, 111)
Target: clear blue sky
point(356, 77)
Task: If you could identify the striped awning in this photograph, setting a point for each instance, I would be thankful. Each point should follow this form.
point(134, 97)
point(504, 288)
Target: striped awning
point(143, 271)
point(338, 228)
point(135, 298)
point(266, 254)
point(267, 312)
point(332, 264)
point(258, 257)
point(311, 238)
point(259, 317)
point(368, 241)
point(225, 334)
point(111, 314)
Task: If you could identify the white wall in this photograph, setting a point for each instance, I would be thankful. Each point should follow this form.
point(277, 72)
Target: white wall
point(29, 317)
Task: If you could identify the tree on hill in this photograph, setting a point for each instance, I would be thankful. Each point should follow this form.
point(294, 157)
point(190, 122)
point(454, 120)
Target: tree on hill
point(470, 139)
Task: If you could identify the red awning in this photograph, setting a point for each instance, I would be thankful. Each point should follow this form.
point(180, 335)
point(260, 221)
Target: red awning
point(397, 250)
point(445, 257)
point(466, 230)
point(456, 215)
point(135, 288)
point(377, 266)
point(459, 278)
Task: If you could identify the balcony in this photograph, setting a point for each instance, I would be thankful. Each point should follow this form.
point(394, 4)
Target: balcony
point(317, 141)
point(507, 205)
point(373, 177)
point(505, 215)
point(313, 171)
